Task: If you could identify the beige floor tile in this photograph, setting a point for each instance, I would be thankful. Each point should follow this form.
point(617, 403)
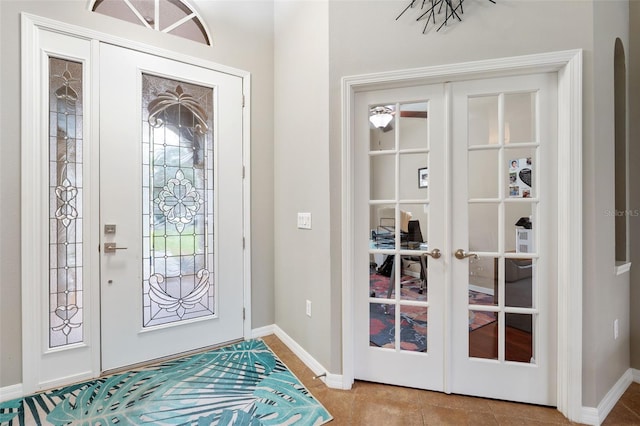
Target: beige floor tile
point(439, 415)
point(395, 394)
point(631, 398)
point(373, 404)
point(378, 411)
point(528, 412)
point(457, 401)
point(504, 420)
point(338, 402)
point(621, 416)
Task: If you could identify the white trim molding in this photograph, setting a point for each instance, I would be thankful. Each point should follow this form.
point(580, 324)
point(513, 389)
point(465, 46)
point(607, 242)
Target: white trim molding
point(596, 416)
point(622, 268)
point(8, 393)
point(333, 381)
point(194, 14)
point(568, 66)
point(267, 330)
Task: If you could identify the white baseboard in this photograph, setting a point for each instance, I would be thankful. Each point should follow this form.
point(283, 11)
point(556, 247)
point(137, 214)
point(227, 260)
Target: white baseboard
point(263, 331)
point(11, 392)
point(595, 416)
point(334, 381)
point(636, 375)
point(590, 416)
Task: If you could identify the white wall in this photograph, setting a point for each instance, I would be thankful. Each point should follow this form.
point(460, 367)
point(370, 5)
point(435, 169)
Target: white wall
point(243, 38)
point(301, 164)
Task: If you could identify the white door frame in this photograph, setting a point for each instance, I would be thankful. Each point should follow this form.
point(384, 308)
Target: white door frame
point(34, 193)
point(568, 65)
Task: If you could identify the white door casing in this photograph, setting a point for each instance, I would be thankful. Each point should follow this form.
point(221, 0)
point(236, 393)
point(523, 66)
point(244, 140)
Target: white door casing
point(44, 367)
point(568, 66)
point(125, 341)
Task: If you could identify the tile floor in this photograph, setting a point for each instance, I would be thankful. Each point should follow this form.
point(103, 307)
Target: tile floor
point(374, 404)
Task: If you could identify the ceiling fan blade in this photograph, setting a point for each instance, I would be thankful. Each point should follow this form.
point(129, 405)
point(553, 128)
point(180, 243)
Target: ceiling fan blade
point(413, 114)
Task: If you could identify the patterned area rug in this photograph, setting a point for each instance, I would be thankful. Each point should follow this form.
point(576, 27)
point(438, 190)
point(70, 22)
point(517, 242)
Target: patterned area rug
point(241, 384)
point(413, 319)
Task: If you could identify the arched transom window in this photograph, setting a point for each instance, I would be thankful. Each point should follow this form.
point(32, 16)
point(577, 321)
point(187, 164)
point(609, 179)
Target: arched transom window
point(168, 16)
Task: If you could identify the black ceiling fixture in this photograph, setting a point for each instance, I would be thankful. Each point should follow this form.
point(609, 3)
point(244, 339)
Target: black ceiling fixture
point(452, 11)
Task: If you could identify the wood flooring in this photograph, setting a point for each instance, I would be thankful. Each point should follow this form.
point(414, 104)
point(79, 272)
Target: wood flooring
point(483, 343)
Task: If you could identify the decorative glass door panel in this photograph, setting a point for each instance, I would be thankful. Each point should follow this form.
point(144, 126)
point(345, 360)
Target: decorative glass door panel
point(66, 108)
point(177, 179)
point(170, 151)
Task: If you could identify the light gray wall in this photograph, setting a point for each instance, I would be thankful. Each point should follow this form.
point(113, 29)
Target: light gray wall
point(302, 268)
point(606, 295)
point(632, 54)
point(243, 38)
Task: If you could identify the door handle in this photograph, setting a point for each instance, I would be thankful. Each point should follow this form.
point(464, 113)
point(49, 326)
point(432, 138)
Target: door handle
point(111, 248)
point(435, 253)
point(461, 254)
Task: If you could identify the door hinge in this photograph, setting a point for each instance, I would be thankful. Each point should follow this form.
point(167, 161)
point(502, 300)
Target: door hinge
point(243, 100)
point(243, 243)
point(243, 172)
point(244, 316)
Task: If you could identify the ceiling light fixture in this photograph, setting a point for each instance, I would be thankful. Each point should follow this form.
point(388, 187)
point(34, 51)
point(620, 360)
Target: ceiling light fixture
point(381, 116)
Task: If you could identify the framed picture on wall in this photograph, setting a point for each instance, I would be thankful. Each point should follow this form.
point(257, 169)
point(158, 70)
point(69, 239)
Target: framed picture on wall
point(423, 177)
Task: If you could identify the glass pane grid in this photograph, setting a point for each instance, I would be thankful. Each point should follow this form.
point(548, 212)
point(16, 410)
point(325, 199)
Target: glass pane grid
point(398, 203)
point(492, 118)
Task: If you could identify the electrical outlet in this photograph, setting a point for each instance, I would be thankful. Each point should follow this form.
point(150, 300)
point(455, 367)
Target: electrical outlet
point(309, 308)
point(616, 329)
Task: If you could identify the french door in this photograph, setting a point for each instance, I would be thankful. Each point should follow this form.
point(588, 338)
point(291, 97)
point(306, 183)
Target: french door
point(170, 193)
point(391, 287)
point(454, 270)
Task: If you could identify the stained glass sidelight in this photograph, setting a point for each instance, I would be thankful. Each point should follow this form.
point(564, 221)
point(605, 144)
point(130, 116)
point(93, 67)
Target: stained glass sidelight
point(177, 201)
point(65, 203)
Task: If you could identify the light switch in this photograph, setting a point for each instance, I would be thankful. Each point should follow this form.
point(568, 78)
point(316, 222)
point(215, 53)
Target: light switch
point(304, 220)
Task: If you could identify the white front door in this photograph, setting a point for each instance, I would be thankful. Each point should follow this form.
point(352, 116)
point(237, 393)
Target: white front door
point(171, 225)
point(480, 319)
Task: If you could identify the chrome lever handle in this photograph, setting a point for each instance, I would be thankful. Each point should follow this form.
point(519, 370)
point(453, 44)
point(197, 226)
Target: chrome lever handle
point(111, 248)
point(435, 253)
point(461, 254)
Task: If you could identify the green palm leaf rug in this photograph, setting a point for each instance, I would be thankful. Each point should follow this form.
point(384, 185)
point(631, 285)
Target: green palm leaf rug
point(241, 384)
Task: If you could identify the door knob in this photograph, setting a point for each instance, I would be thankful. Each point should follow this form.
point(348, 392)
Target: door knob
point(435, 253)
point(111, 248)
point(461, 254)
